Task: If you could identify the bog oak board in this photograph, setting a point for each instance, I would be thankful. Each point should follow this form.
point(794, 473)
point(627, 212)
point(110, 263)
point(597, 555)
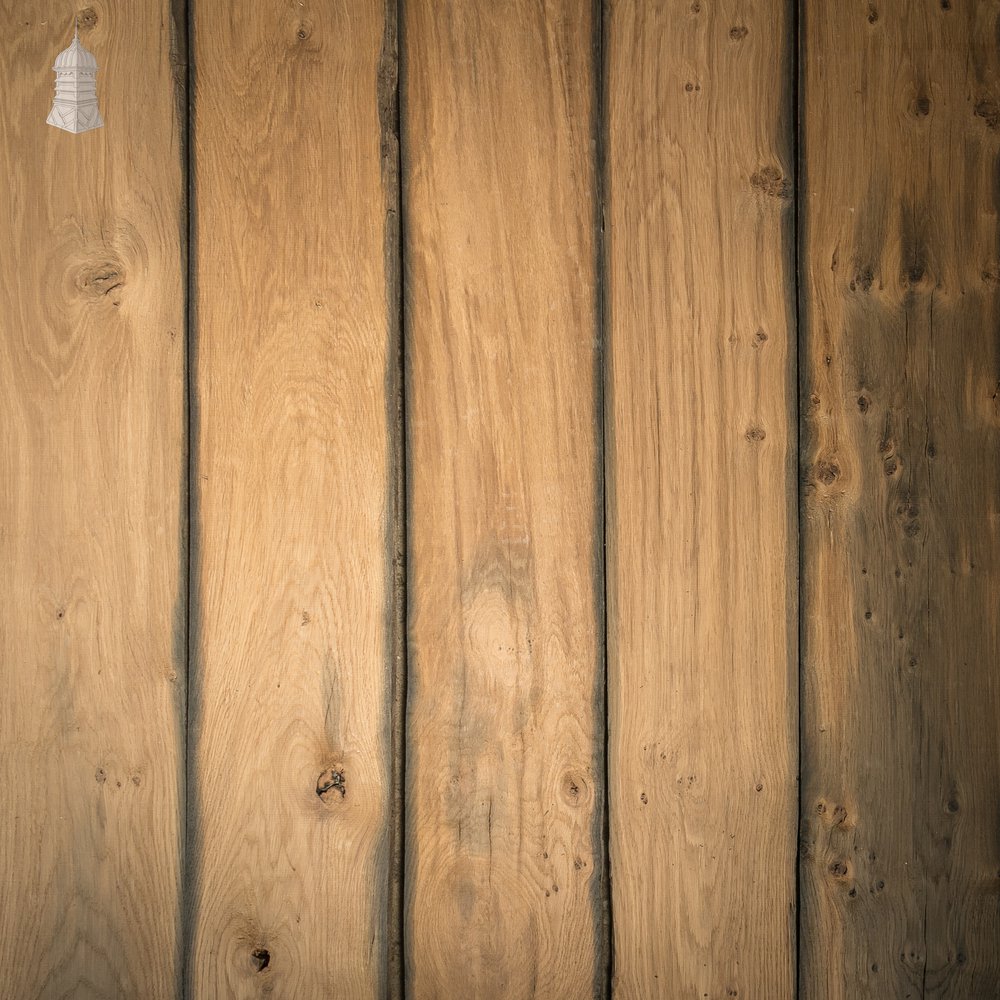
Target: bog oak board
point(702, 593)
point(294, 519)
point(92, 612)
point(504, 780)
point(901, 506)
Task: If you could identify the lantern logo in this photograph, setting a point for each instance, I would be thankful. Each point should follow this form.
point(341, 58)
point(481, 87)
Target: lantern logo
point(75, 105)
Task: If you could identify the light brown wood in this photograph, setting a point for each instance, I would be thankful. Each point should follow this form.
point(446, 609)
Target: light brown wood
point(91, 485)
point(504, 766)
point(298, 633)
point(701, 510)
point(901, 527)
point(295, 522)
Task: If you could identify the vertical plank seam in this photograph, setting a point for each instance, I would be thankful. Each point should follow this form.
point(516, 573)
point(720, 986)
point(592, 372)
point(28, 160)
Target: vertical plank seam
point(797, 223)
point(402, 500)
point(190, 445)
point(389, 105)
point(606, 930)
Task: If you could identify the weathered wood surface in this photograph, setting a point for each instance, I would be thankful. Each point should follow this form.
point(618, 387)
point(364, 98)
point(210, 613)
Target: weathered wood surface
point(295, 521)
point(294, 764)
point(702, 551)
point(91, 487)
point(901, 517)
point(504, 765)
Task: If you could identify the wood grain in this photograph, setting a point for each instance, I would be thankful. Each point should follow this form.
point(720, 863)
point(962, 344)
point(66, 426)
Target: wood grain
point(901, 517)
point(701, 512)
point(91, 481)
point(295, 515)
point(504, 778)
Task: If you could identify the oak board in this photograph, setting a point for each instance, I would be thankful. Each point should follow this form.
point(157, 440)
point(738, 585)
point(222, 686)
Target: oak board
point(901, 517)
point(92, 527)
point(295, 520)
point(504, 767)
point(702, 547)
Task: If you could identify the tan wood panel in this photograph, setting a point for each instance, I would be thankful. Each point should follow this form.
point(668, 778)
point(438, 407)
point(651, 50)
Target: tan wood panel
point(901, 526)
point(504, 775)
point(702, 597)
point(92, 613)
point(295, 517)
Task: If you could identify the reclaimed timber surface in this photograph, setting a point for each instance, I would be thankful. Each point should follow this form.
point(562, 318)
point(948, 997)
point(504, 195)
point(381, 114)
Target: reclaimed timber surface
point(284, 715)
point(901, 516)
point(504, 777)
point(702, 592)
point(92, 607)
point(294, 514)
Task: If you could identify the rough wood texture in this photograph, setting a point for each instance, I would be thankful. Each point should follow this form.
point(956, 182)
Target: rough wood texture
point(701, 511)
point(293, 651)
point(91, 480)
point(901, 526)
point(504, 776)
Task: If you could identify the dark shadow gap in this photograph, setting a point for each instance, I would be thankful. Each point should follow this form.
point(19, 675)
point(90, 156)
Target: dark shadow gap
point(605, 982)
point(191, 582)
point(797, 15)
point(396, 563)
point(401, 561)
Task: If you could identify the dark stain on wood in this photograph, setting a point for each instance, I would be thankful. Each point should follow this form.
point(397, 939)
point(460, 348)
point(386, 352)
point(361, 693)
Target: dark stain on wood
point(906, 411)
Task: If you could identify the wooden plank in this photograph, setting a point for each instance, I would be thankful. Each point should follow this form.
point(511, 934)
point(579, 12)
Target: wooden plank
point(296, 521)
point(901, 525)
point(702, 549)
point(504, 748)
point(91, 484)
